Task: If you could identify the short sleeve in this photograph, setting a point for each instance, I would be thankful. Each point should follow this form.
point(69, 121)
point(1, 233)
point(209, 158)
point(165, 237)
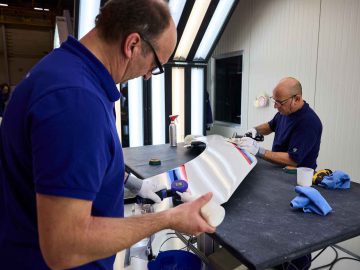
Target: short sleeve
point(302, 142)
point(71, 143)
point(273, 122)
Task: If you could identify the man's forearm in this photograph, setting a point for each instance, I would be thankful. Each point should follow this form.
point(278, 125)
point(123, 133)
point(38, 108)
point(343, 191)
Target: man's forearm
point(83, 238)
point(107, 236)
point(282, 158)
point(69, 236)
point(264, 129)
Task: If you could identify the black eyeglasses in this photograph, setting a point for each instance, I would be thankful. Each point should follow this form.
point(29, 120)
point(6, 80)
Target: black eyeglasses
point(281, 102)
point(159, 68)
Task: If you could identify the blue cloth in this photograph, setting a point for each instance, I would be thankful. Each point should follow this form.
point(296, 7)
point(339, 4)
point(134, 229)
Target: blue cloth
point(310, 201)
point(298, 134)
point(59, 138)
point(337, 180)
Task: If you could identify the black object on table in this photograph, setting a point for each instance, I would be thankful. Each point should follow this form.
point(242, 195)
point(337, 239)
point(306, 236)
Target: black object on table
point(137, 158)
point(260, 228)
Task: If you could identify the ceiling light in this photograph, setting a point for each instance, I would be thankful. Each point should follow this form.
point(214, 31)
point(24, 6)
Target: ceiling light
point(56, 38)
point(4, 5)
point(217, 21)
point(118, 114)
point(136, 118)
point(191, 29)
point(176, 9)
point(87, 13)
point(197, 101)
point(41, 9)
point(158, 108)
point(178, 102)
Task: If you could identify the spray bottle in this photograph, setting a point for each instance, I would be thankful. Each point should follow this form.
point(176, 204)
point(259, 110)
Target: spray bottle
point(172, 130)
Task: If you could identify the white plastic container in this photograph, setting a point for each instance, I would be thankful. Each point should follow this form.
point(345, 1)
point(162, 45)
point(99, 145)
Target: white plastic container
point(212, 212)
point(304, 176)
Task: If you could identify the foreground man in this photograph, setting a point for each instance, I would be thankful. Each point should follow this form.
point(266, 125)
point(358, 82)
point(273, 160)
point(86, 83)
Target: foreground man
point(62, 167)
point(297, 129)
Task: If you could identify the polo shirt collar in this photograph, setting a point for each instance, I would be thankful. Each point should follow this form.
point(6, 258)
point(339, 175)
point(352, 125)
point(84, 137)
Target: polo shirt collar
point(303, 109)
point(105, 79)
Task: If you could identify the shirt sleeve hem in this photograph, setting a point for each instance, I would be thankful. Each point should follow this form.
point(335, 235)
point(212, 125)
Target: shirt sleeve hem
point(271, 125)
point(62, 192)
point(294, 157)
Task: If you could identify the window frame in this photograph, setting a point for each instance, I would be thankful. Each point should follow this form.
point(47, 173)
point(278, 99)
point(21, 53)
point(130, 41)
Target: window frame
point(223, 56)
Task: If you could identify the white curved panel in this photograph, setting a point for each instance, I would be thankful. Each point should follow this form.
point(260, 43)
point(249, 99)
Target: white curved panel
point(219, 169)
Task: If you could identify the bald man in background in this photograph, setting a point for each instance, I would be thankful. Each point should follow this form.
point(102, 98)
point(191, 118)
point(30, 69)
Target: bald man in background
point(297, 129)
point(297, 139)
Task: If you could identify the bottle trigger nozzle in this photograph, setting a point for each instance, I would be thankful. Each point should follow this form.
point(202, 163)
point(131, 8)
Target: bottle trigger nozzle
point(173, 117)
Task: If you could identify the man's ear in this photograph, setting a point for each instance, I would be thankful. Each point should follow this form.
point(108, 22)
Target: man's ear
point(297, 98)
point(130, 43)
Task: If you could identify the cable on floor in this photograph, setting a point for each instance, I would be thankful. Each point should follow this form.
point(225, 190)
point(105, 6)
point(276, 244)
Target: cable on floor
point(329, 264)
point(343, 258)
point(172, 237)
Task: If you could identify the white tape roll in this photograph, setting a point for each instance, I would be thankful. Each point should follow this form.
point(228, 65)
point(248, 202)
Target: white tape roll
point(212, 212)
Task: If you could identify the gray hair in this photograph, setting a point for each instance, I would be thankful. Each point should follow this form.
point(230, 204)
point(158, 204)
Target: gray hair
point(119, 18)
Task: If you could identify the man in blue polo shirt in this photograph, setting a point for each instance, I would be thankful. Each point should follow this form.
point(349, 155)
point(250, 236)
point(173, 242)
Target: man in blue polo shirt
point(61, 162)
point(297, 129)
point(297, 138)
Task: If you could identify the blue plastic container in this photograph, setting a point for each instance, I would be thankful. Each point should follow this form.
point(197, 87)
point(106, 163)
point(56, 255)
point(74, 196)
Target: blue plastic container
point(175, 260)
point(179, 185)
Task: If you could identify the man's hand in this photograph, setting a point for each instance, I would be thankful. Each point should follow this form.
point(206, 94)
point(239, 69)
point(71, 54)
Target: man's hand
point(187, 217)
point(252, 131)
point(144, 188)
point(249, 145)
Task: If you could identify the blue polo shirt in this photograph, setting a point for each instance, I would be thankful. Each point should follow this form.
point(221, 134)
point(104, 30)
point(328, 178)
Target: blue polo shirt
point(59, 138)
point(299, 134)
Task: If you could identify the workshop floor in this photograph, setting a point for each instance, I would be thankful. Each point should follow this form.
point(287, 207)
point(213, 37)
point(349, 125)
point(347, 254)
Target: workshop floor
point(328, 255)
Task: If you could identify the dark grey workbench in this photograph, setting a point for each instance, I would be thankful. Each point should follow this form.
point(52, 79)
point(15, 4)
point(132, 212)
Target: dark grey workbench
point(260, 228)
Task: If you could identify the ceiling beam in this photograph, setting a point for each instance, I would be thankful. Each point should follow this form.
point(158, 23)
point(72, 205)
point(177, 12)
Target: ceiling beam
point(27, 17)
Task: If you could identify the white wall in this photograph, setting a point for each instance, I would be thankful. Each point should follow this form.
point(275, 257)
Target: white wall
point(316, 41)
point(233, 41)
point(337, 96)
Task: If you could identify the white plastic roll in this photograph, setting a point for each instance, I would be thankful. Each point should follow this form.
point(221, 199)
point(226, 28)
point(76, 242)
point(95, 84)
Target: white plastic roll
point(189, 138)
point(212, 212)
